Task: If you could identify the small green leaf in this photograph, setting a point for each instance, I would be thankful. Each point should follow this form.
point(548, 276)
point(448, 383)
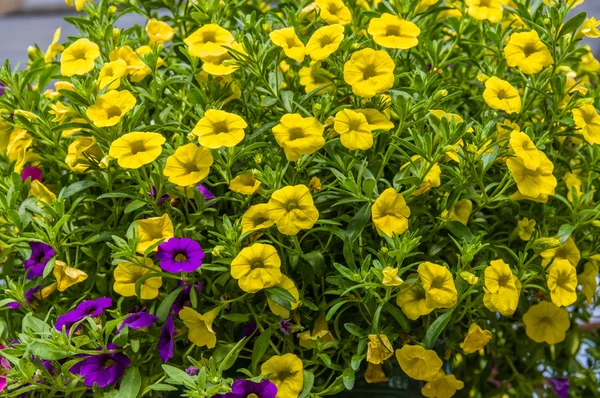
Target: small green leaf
point(348, 378)
point(436, 329)
point(564, 232)
point(76, 187)
point(260, 347)
point(309, 380)
point(572, 24)
point(131, 384)
point(165, 307)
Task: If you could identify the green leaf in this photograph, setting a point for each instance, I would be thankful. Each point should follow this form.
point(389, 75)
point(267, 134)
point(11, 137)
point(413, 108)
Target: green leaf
point(165, 306)
point(564, 232)
point(76, 187)
point(572, 24)
point(460, 230)
point(260, 347)
point(133, 206)
point(360, 220)
point(398, 316)
point(280, 296)
point(178, 376)
point(355, 330)
point(436, 328)
point(309, 380)
point(348, 378)
point(47, 352)
point(131, 384)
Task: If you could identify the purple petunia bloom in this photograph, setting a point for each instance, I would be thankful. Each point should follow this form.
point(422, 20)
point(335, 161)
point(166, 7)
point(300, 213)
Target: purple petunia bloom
point(180, 255)
point(13, 305)
point(104, 369)
point(153, 194)
point(246, 388)
point(165, 342)
point(29, 294)
point(205, 192)
point(31, 171)
point(560, 385)
point(2, 85)
point(138, 320)
point(192, 370)
point(40, 254)
point(285, 325)
point(84, 309)
point(183, 298)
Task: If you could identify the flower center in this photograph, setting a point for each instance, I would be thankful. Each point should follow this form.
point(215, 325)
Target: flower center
point(588, 117)
point(284, 374)
point(529, 49)
point(291, 42)
point(252, 396)
point(325, 40)
point(79, 53)
point(369, 71)
point(291, 206)
point(503, 280)
point(296, 133)
point(437, 283)
point(220, 127)
point(190, 167)
point(90, 311)
point(354, 125)
point(180, 257)
point(256, 264)
point(208, 37)
point(392, 30)
point(260, 220)
point(108, 362)
point(137, 146)
point(333, 8)
point(485, 3)
point(502, 94)
point(113, 111)
point(546, 320)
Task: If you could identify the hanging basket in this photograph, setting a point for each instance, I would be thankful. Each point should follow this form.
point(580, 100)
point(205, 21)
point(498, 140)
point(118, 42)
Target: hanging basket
point(7, 6)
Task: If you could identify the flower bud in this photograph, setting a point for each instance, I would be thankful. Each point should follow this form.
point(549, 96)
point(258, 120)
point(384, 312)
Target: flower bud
point(112, 10)
point(116, 33)
point(440, 94)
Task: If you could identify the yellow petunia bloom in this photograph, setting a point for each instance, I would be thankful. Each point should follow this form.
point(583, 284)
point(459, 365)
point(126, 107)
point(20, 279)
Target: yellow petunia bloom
point(562, 282)
point(502, 288)
point(490, 10)
point(527, 52)
point(159, 32)
point(127, 274)
point(189, 165)
point(54, 48)
point(79, 58)
point(525, 228)
point(314, 77)
point(285, 371)
point(288, 285)
point(589, 28)
point(438, 284)
point(82, 153)
point(257, 267)
point(110, 108)
point(200, 330)
point(353, 129)
point(67, 276)
point(390, 277)
point(219, 129)
point(17, 149)
point(324, 42)
point(287, 39)
point(319, 334)
point(244, 183)
point(315, 184)
point(369, 72)
point(587, 280)
point(470, 278)
point(41, 192)
point(533, 183)
point(133, 150)
point(61, 112)
point(376, 119)
point(222, 64)
point(391, 31)
point(334, 12)
point(566, 251)
point(78, 4)
point(292, 208)
point(476, 339)
point(500, 94)
point(256, 217)
point(153, 230)
point(505, 127)
point(375, 374)
point(525, 149)
point(417, 362)
point(572, 181)
point(442, 386)
point(208, 41)
point(587, 121)
point(546, 323)
point(413, 301)
point(390, 213)
point(431, 180)
point(299, 135)
point(111, 74)
point(460, 212)
point(379, 349)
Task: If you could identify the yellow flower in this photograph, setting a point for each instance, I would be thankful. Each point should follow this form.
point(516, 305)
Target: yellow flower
point(256, 217)
point(391, 31)
point(589, 28)
point(82, 153)
point(220, 129)
point(127, 274)
point(379, 349)
point(506, 127)
point(369, 72)
point(133, 150)
point(292, 46)
point(320, 333)
point(299, 135)
point(200, 330)
point(587, 280)
point(17, 149)
point(413, 302)
point(431, 180)
point(153, 230)
point(390, 213)
point(208, 41)
point(525, 228)
point(257, 267)
point(285, 371)
point(334, 12)
point(482, 10)
point(78, 4)
point(61, 112)
point(525, 149)
point(470, 278)
point(315, 184)
point(375, 374)
point(111, 74)
point(45, 292)
point(500, 94)
point(572, 181)
point(475, 339)
point(67, 276)
point(353, 129)
point(376, 119)
point(288, 285)
point(110, 108)
point(54, 48)
point(159, 31)
point(533, 183)
point(324, 42)
point(135, 65)
point(438, 284)
point(562, 283)
point(442, 386)
point(41, 192)
point(501, 288)
point(292, 208)
point(588, 121)
point(417, 362)
point(189, 165)
point(314, 77)
point(390, 277)
point(527, 52)
point(244, 183)
point(566, 251)
point(79, 58)
point(222, 64)
point(460, 212)
point(546, 323)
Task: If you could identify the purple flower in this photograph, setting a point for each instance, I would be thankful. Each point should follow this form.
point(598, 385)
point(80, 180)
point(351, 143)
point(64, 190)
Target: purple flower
point(31, 171)
point(138, 320)
point(153, 195)
point(560, 385)
point(183, 298)
point(249, 329)
point(180, 255)
point(205, 192)
point(285, 325)
point(1, 93)
point(29, 294)
point(192, 370)
point(103, 369)
point(40, 254)
point(246, 388)
point(165, 342)
point(84, 309)
point(13, 305)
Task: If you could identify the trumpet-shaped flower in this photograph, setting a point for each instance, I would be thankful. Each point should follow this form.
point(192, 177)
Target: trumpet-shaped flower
point(292, 209)
point(369, 72)
point(257, 267)
point(391, 31)
point(133, 150)
point(189, 165)
point(299, 135)
point(220, 129)
point(546, 323)
point(390, 213)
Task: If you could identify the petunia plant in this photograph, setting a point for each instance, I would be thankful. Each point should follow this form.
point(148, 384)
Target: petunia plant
point(295, 199)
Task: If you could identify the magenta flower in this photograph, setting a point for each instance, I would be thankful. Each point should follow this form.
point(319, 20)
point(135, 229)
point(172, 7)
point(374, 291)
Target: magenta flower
point(247, 388)
point(560, 385)
point(41, 253)
point(104, 369)
point(138, 320)
point(4, 364)
point(84, 309)
point(31, 171)
point(165, 341)
point(285, 325)
point(180, 255)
